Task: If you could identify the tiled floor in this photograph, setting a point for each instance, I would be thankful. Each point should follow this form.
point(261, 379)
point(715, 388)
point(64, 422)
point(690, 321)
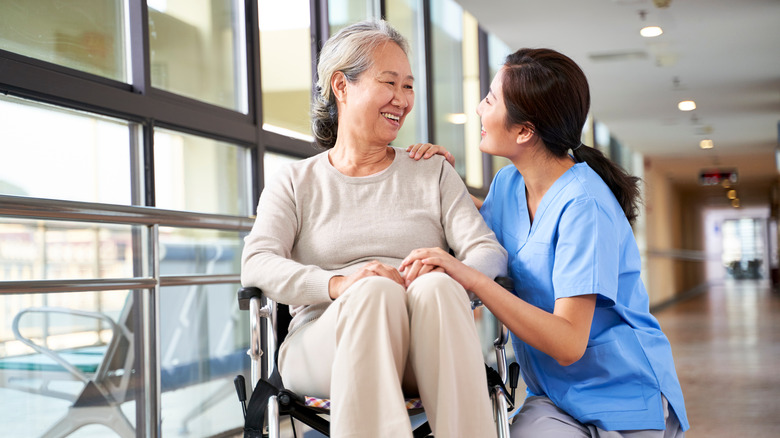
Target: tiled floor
point(726, 344)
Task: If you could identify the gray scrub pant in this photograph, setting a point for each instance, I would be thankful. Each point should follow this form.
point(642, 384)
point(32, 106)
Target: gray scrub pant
point(539, 417)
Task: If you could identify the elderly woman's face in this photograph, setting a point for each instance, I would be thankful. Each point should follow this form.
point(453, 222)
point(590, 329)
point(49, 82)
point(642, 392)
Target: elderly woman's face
point(377, 104)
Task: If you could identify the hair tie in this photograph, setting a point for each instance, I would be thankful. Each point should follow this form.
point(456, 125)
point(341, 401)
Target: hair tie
point(576, 147)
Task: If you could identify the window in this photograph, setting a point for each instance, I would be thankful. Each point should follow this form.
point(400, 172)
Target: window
point(497, 53)
point(456, 87)
point(406, 17)
point(76, 156)
point(342, 13)
point(272, 162)
point(86, 35)
point(286, 69)
point(197, 50)
point(199, 174)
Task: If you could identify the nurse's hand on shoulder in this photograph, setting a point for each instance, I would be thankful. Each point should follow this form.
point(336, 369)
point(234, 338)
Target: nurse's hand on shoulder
point(338, 284)
point(436, 257)
point(427, 150)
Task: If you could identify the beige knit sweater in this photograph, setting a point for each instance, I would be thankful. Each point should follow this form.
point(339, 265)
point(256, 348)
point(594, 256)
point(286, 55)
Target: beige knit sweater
point(314, 222)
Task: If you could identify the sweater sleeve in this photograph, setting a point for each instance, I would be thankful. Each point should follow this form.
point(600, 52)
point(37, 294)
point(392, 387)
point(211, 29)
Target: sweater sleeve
point(467, 235)
point(266, 260)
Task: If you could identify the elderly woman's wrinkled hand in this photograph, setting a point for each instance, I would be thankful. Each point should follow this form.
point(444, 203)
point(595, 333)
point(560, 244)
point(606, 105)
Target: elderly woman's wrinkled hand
point(339, 284)
point(427, 150)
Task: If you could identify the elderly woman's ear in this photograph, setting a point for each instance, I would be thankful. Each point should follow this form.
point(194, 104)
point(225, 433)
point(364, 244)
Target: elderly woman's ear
point(338, 83)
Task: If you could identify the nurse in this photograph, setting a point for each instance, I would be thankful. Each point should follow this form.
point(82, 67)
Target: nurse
point(593, 358)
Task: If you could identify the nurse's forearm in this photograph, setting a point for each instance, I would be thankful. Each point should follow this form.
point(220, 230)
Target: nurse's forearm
point(563, 335)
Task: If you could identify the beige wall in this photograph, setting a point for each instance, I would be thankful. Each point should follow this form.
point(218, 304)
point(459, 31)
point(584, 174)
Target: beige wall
point(662, 227)
point(675, 255)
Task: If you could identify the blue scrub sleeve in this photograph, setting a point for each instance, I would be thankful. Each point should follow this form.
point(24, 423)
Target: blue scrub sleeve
point(587, 253)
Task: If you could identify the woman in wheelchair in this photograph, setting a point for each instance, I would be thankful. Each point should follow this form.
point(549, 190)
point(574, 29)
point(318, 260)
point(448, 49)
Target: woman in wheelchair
point(593, 358)
point(330, 234)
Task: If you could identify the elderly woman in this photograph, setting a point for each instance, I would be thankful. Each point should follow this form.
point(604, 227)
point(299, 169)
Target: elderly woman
point(330, 234)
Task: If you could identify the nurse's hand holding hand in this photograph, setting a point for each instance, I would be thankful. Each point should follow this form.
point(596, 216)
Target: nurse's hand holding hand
point(440, 260)
point(416, 268)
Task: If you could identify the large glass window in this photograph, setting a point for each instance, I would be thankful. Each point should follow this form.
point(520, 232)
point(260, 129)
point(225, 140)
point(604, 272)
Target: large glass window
point(472, 126)
point(272, 162)
point(197, 50)
point(50, 152)
point(203, 344)
point(199, 174)
point(56, 348)
point(193, 251)
point(497, 53)
point(286, 69)
point(87, 35)
point(406, 17)
point(55, 250)
point(342, 13)
point(455, 76)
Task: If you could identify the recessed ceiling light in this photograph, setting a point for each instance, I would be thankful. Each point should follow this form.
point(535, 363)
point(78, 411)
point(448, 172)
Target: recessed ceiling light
point(687, 105)
point(651, 31)
point(706, 144)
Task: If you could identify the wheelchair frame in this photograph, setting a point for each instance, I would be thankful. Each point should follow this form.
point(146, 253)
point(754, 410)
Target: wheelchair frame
point(285, 402)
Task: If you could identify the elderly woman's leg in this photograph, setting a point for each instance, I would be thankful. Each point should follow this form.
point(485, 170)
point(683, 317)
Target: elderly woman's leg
point(447, 359)
point(357, 349)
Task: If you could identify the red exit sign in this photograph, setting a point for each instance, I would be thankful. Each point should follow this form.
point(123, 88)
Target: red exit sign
point(712, 177)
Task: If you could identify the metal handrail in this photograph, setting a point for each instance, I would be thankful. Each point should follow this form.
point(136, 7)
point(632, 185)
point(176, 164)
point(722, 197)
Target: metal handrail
point(63, 210)
point(55, 209)
point(78, 285)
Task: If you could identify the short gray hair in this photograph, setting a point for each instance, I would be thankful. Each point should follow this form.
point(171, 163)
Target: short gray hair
point(349, 51)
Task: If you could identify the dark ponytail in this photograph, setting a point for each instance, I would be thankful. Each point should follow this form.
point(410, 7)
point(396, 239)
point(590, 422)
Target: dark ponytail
point(548, 91)
point(624, 186)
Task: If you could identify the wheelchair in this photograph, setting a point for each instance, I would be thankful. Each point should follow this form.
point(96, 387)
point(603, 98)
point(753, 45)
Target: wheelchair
point(269, 396)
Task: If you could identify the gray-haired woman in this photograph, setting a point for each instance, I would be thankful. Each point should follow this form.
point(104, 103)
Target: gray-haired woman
point(330, 234)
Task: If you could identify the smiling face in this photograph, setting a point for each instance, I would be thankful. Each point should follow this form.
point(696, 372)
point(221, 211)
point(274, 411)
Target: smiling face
point(497, 139)
point(373, 108)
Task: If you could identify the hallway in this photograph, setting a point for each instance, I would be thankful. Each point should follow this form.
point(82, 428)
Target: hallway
point(726, 345)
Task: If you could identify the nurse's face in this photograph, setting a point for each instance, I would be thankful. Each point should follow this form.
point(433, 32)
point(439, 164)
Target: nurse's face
point(496, 138)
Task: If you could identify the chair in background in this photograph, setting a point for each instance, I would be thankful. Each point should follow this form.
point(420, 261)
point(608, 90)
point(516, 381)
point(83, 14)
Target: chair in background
point(270, 396)
point(105, 371)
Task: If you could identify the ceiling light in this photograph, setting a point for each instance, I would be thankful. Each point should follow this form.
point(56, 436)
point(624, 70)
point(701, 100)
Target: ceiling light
point(687, 105)
point(732, 194)
point(651, 31)
point(735, 202)
point(706, 143)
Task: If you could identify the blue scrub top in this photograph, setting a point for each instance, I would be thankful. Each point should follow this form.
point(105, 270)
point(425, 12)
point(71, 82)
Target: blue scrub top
point(581, 243)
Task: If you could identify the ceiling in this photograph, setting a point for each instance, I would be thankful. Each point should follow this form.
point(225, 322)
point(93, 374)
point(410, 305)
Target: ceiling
point(723, 54)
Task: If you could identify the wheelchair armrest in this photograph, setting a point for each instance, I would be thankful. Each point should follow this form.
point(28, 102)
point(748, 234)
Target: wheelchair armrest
point(503, 335)
point(247, 293)
point(506, 282)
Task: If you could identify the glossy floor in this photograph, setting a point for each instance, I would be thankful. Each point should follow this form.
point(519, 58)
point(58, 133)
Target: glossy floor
point(726, 345)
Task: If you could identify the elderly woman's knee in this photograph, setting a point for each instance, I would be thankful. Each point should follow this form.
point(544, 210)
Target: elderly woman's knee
point(373, 291)
point(437, 287)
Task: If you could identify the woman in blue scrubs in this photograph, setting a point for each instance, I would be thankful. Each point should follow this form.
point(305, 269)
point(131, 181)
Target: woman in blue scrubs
point(593, 358)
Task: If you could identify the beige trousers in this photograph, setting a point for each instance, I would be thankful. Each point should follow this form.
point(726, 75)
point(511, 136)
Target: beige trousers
point(378, 341)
